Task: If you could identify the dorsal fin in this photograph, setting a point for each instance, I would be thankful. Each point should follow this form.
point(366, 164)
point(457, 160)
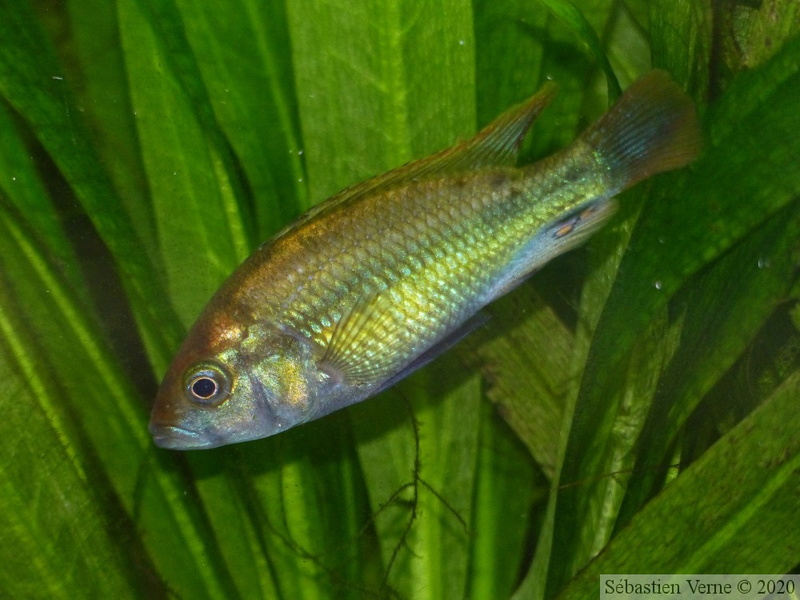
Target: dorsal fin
point(496, 145)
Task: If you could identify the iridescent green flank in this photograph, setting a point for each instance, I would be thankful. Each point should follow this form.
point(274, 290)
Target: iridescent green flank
point(384, 276)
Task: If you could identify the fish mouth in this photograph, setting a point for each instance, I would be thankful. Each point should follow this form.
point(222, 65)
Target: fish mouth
point(177, 438)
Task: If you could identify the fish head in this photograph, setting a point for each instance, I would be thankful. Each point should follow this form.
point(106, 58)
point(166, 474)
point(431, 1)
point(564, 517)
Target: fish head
point(231, 383)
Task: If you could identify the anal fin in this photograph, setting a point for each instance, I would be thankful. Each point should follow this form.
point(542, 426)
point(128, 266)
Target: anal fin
point(554, 239)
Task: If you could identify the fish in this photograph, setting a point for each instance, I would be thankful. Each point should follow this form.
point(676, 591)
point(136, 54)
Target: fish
point(381, 278)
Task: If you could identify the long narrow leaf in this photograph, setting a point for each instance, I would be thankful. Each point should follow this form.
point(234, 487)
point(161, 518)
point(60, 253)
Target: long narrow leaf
point(732, 512)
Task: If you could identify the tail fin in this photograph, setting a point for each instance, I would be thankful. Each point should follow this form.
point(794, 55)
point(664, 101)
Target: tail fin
point(652, 128)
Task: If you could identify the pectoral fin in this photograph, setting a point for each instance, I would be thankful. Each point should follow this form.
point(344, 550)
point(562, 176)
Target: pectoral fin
point(372, 344)
point(367, 343)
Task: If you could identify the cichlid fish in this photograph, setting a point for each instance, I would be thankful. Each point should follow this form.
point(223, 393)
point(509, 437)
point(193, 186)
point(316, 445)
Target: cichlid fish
point(381, 278)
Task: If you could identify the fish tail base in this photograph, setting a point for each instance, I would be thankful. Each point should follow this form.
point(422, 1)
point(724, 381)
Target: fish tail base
point(651, 129)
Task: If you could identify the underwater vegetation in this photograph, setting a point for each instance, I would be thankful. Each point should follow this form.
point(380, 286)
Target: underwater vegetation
point(632, 408)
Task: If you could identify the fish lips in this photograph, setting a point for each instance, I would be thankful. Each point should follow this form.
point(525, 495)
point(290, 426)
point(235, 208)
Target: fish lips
point(171, 437)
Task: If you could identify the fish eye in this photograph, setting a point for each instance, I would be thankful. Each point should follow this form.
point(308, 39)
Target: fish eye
point(207, 384)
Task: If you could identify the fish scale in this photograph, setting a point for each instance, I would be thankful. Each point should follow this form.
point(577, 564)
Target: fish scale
point(384, 276)
point(464, 236)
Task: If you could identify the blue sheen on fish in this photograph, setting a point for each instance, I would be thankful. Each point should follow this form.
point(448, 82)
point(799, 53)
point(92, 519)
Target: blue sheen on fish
point(378, 280)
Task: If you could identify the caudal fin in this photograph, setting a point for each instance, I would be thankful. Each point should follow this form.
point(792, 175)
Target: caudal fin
point(652, 128)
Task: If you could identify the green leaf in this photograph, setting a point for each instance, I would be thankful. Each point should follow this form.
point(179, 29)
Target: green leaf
point(525, 359)
point(103, 98)
point(507, 487)
point(723, 210)
point(363, 108)
point(726, 306)
point(574, 19)
point(25, 191)
point(681, 41)
point(44, 514)
point(193, 185)
point(731, 512)
point(421, 479)
point(73, 378)
point(250, 89)
point(33, 83)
